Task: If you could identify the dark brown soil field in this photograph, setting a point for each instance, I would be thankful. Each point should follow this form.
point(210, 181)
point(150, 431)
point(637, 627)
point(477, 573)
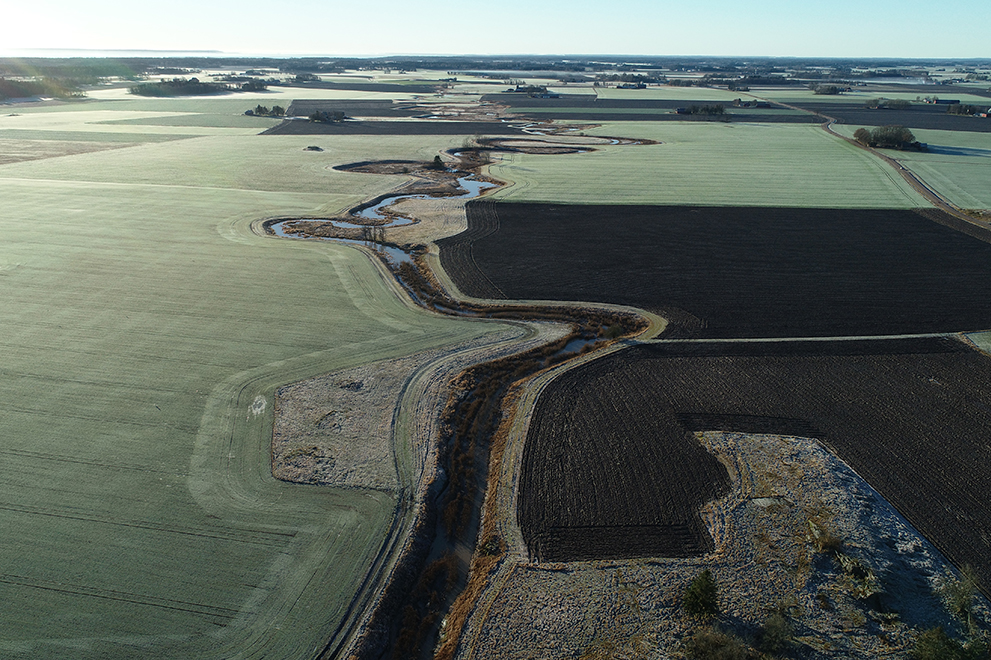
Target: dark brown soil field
point(732, 272)
point(920, 115)
point(352, 108)
point(438, 127)
point(603, 478)
point(943, 91)
point(386, 88)
point(668, 115)
point(912, 417)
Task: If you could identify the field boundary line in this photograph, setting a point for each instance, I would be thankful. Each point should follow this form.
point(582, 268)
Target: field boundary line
point(910, 177)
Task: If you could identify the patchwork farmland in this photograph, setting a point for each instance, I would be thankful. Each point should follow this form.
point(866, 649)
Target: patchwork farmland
point(227, 444)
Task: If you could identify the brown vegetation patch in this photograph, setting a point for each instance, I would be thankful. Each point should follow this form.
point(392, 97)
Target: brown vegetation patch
point(336, 429)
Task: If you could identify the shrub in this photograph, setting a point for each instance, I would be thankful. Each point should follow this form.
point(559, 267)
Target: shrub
point(959, 595)
point(935, 644)
point(776, 634)
point(701, 599)
point(712, 644)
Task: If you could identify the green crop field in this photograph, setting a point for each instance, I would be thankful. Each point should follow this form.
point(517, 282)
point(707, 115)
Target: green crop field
point(957, 165)
point(145, 329)
point(711, 164)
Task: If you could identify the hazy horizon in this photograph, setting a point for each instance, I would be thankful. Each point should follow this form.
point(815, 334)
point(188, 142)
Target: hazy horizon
point(909, 29)
point(219, 54)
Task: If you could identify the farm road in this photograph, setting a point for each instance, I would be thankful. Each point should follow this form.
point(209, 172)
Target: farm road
point(913, 179)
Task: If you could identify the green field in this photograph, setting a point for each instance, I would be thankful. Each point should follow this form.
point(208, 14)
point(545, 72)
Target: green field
point(957, 165)
point(145, 330)
point(711, 164)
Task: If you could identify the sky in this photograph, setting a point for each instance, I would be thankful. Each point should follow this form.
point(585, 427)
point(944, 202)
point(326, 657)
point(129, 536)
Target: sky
point(842, 28)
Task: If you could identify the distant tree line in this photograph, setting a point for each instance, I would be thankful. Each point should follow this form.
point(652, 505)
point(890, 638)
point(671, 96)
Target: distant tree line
point(716, 109)
point(962, 109)
point(887, 137)
point(826, 90)
point(194, 87)
point(330, 117)
point(15, 89)
point(887, 104)
point(180, 87)
point(631, 78)
point(262, 111)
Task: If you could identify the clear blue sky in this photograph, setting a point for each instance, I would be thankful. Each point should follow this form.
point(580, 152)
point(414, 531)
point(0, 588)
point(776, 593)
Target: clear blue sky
point(842, 28)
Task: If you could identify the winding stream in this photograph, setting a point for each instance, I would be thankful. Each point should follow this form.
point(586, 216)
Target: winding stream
point(473, 188)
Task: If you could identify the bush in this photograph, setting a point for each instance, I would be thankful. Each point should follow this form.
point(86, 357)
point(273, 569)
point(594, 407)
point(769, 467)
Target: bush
point(701, 599)
point(712, 644)
point(959, 595)
point(776, 634)
point(935, 644)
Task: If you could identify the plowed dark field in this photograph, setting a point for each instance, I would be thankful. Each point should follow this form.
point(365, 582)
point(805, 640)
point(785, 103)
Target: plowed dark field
point(732, 272)
point(608, 446)
point(603, 478)
point(352, 108)
point(920, 115)
point(385, 88)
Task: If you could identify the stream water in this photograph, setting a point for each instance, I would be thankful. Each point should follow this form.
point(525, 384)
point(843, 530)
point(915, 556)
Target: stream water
point(473, 188)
